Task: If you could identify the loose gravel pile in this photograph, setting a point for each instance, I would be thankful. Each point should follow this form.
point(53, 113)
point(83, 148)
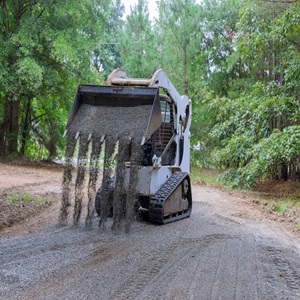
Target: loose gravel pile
point(116, 131)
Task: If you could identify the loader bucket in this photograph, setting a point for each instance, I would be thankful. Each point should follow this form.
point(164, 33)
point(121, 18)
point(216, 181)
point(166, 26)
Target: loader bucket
point(119, 97)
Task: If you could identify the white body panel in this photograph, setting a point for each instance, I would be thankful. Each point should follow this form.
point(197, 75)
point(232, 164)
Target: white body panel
point(149, 179)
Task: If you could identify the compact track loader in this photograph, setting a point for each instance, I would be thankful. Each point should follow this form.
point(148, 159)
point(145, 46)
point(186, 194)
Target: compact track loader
point(150, 114)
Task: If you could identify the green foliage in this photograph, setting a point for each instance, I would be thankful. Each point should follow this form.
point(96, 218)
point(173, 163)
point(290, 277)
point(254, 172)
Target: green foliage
point(215, 77)
point(178, 38)
point(47, 49)
point(282, 206)
point(286, 32)
point(30, 74)
point(137, 50)
point(256, 134)
point(13, 198)
point(216, 66)
point(203, 121)
point(209, 176)
point(281, 147)
point(250, 146)
point(41, 201)
point(108, 57)
point(26, 197)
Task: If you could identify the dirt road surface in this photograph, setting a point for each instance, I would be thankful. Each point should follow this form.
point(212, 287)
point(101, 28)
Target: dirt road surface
point(227, 249)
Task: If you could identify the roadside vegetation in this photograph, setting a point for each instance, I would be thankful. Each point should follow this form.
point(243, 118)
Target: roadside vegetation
point(16, 206)
point(238, 60)
point(206, 176)
point(278, 199)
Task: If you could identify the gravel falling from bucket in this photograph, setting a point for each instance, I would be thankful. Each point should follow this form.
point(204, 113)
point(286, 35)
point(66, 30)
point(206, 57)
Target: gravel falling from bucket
point(108, 170)
point(93, 176)
point(119, 207)
point(132, 195)
point(123, 128)
point(81, 168)
point(67, 178)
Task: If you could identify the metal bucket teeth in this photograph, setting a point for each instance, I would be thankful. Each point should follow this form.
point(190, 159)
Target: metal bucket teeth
point(103, 138)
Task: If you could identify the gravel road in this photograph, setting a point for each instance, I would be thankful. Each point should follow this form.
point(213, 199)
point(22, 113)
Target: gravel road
point(225, 250)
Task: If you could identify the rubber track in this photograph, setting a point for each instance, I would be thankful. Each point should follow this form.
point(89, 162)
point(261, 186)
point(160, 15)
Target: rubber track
point(156, 207)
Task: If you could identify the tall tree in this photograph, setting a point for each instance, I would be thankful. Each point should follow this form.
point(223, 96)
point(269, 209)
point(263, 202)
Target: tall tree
point(47, 48)
point(108, 56)
point(216, 70)
point(179, 38)
point(216, 63)
point(138, 54)
point(258, 132)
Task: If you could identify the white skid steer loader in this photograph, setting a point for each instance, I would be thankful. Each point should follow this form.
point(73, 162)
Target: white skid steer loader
point(162, 184)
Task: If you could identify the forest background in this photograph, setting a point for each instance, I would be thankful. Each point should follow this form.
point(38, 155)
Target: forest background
point(238, 60)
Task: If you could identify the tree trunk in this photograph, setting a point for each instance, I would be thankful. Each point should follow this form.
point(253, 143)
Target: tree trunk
point(283, 171)
point(2, 140)
point(12, 117)
point(3, 127)
point(25, 130)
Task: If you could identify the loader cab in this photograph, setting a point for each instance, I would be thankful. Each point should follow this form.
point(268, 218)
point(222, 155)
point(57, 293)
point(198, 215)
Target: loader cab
point(160, 139)
point(165, 132)
point(166, 108)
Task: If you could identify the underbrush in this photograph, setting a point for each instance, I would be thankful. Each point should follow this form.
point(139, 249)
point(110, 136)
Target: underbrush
point(205, 176)
point(17, 206)
point(27, 162)
point(279, 198)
